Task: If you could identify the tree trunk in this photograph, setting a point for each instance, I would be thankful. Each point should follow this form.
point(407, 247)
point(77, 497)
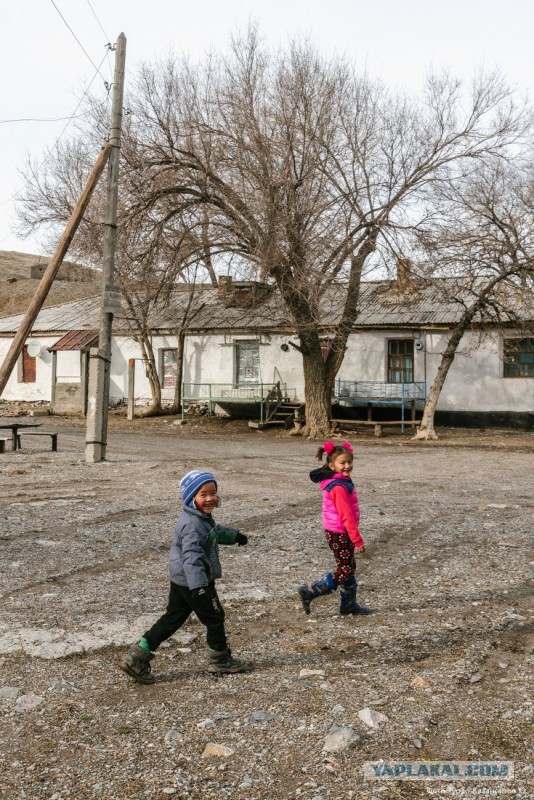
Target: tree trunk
point(152, 374)
point(318, 397)
point(426, 428)
point(177, 401)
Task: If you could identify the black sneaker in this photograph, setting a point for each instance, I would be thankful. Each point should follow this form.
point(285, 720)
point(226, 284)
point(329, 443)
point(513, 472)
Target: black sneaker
point(224, 662)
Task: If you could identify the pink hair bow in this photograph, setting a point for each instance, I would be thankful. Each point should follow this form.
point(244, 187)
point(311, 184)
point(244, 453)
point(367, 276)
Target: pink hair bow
point(347, 446)
point(328, 447)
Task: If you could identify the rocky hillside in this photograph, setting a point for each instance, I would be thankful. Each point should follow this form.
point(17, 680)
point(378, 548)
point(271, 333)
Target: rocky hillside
point(20, 274)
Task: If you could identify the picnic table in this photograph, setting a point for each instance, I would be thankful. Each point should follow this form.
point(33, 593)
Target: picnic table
point(15, 427)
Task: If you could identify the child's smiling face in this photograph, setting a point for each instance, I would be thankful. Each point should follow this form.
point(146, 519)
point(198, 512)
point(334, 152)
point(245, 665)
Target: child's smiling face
point(206, 498)
point(342, 463)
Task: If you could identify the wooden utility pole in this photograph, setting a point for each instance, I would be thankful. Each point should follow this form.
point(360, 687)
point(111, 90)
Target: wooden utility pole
point(100, 358)
point(52, 269)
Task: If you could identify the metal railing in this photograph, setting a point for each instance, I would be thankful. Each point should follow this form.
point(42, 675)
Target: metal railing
point(211, 393)
point(379, 391)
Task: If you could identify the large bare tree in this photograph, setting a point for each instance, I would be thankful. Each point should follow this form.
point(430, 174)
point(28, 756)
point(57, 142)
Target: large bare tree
point(303, 168)
point(298, 169)
point(484, 243)
point(149, 260)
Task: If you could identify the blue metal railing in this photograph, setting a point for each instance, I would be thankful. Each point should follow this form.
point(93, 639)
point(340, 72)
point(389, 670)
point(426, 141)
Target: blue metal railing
point(211, 393)
point(379, 393)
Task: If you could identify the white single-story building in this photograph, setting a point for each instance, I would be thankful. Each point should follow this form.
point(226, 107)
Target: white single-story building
point(239, 337)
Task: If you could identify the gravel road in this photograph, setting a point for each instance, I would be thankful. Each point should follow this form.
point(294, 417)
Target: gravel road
point(441, 671)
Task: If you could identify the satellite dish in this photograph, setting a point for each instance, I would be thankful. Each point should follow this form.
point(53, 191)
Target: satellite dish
point(34, 348)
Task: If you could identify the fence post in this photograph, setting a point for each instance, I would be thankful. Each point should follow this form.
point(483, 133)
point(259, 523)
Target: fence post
point(131, 389)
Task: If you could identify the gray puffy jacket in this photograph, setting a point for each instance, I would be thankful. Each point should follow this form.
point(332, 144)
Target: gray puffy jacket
point(194, 556)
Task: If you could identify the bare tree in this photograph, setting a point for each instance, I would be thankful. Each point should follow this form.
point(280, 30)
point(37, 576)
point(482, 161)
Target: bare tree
point(299, 170)
point(150, 259)
point(304, 167)
point(485, 238)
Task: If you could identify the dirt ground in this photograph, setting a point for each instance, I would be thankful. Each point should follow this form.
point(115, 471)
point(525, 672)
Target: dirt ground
point(446, 657)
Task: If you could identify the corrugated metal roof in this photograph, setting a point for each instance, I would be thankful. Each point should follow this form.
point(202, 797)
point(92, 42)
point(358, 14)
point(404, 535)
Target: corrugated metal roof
point(76, 315)
point(433, 303)
point(76, 340)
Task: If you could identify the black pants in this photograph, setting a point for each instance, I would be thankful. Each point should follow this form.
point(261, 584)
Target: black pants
point(181, 603)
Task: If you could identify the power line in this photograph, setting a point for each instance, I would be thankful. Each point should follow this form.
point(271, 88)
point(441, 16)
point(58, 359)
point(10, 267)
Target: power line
point(34, 119)
point(15, 196)
point(98, 21)
point(78, 41)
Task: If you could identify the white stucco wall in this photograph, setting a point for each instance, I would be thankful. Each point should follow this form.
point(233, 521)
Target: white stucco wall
point(41, 390)
point(474, 383)
point(68, 366)
point(475, 380)
point(207, 359)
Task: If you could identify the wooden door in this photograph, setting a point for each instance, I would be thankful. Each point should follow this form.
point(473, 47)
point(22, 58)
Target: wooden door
point(28, 367)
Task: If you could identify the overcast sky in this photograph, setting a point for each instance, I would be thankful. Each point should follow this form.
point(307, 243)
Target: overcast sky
point(50, 50)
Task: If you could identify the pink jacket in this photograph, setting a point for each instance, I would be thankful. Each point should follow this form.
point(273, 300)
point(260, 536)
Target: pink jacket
point(341, 512)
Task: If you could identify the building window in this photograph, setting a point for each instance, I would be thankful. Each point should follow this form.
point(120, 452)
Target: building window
point(518, 356)
point(400, 361)
point(28, 367)
point(168, 368)
point(247, 362)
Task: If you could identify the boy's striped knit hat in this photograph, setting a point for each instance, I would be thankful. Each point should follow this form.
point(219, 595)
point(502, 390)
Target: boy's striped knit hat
point(192, 483)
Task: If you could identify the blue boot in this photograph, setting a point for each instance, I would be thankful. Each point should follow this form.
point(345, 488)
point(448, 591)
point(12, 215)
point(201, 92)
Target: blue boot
point(348, 604)
point(325, 585)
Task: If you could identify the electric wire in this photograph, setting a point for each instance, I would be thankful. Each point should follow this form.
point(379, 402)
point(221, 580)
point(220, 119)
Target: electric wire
point(16, 195)
point(98, 21)
point(35, 119)
point(84, 95)
point(77, 40)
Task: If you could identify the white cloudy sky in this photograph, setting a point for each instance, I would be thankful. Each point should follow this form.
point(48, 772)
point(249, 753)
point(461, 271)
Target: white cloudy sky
point(49, 50)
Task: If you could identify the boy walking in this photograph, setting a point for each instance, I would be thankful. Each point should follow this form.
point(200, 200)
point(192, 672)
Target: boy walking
point(194, 566)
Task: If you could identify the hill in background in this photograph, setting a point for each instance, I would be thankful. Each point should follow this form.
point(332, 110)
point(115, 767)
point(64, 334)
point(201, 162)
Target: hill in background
point(20, 274)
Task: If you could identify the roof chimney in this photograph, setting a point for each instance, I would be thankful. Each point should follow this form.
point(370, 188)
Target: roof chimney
point(404, 282)
point(225, 285)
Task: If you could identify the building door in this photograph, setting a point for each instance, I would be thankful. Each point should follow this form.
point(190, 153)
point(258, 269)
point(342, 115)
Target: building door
point(28, 367)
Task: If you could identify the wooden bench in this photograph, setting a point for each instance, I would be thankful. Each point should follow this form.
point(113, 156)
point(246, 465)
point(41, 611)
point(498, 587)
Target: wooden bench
point(3, 444)
point(378, 425)
point(53, 436)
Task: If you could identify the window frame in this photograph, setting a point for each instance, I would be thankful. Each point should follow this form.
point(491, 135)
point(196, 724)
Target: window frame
point(508, 361)
point(162, 352)
point(239, 343)
point(390, 370)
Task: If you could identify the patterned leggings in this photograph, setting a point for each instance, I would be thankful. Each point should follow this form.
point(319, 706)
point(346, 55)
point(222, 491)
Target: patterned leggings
point(343, 550)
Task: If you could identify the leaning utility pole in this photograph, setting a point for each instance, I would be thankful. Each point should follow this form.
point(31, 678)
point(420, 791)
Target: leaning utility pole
point(52, 269)
point(100, 358)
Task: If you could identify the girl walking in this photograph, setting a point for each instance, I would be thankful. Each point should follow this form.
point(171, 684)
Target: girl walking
point(341, 517)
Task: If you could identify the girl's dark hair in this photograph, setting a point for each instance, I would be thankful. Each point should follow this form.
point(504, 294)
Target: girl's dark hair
point(333, 450)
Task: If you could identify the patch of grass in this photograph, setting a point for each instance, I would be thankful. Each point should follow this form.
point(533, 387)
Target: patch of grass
point(123, 730)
